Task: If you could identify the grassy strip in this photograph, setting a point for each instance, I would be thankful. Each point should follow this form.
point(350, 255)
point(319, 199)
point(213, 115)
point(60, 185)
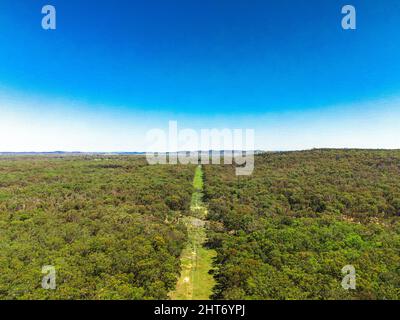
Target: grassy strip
point(195, 282)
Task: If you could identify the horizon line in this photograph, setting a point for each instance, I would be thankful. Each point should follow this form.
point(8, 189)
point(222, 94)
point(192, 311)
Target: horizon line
point(187, 151)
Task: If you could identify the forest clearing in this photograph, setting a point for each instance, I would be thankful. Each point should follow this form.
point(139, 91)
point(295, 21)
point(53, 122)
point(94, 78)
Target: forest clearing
point(195, 282)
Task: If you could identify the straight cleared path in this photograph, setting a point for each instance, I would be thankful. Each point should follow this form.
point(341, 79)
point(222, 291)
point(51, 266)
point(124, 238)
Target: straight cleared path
point(195, 283)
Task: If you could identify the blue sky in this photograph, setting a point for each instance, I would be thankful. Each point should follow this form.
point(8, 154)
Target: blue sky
point(114, 69)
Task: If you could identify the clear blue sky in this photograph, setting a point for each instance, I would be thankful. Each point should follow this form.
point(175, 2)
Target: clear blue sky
point(114, 69)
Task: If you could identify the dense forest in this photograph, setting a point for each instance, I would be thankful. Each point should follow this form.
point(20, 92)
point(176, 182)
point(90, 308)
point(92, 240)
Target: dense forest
point(109, 225)
point(287, 231)
point(113, 226)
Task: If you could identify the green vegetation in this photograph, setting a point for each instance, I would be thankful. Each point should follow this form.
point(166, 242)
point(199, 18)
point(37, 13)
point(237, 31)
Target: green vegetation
point(198, 180)
point(195, 282)
point(115, 227)
point(286, 231)
point(110, 226)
